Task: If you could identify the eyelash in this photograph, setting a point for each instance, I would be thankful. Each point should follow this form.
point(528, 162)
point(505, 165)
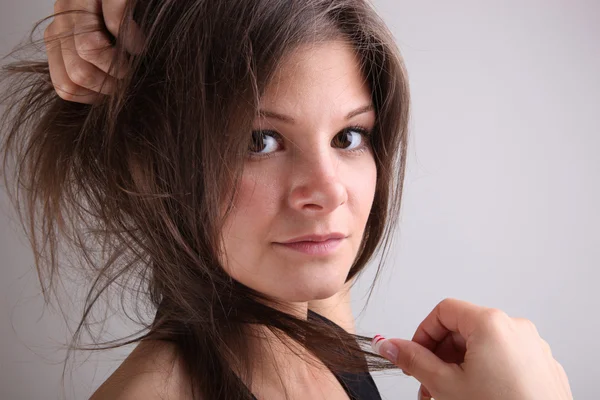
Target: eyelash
point(366, 133)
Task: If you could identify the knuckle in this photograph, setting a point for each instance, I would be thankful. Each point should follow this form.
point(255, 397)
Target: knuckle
point(112, 24)
point(531, 326)
point(61, 6)
point(79, 74)
point(546, 346)
point(47, 35)
point(453, 302)
point(58, 6)
point(66, 92)
point(48, 32)
point(561, 369)
point(447, 302)
point(436, 379)
point(495, 315)
point(440, 379)
point(60, 27)
point(412, 361)
point(88, 44)
point(51, 33)
point(528, 325)
point(494, 318)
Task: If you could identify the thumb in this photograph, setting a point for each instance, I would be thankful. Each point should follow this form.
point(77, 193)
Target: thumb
point(415, 360)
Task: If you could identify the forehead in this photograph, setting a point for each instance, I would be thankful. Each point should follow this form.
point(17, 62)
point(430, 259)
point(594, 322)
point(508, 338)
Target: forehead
point(315, 75)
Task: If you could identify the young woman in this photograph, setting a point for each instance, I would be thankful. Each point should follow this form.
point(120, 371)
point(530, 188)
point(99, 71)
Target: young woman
point(236, 163)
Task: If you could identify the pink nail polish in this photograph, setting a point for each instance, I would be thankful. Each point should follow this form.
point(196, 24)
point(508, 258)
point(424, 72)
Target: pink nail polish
point(376, 343)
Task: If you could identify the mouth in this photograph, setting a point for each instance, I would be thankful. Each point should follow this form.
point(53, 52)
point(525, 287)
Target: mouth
point(311, 247)
point(316, 237)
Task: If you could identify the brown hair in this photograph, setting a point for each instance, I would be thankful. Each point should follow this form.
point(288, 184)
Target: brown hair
point(135, 184)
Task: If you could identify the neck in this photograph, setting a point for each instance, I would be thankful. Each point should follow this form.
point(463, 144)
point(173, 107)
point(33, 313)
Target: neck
point(279, 363)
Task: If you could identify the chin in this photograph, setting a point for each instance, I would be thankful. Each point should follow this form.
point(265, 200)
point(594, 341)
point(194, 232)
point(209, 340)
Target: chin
point(315, 290)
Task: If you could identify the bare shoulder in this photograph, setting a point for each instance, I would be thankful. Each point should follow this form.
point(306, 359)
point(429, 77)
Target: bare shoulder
point(151, 371)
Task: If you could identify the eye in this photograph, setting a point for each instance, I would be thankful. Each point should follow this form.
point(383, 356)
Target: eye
point(354, 135)
point(263, 142)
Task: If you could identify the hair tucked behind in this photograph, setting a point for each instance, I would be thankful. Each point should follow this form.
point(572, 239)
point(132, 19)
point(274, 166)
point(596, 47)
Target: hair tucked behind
point(136, 185)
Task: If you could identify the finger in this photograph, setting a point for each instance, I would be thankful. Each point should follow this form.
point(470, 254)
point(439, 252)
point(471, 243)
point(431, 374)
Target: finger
point(113, 11)
point(546, 347)
point(93, 45)
point(81, 72)
point(527, 324)
point(459, 342)
point(561, 370)
point(64, 87)
point(420, 362)
point(424, 393)
point(62, 5)
point(451, 350)
point(566, 388)
point(449, 316)
point(531, 327)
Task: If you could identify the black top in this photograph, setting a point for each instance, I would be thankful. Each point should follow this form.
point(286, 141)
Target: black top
point(359, 386)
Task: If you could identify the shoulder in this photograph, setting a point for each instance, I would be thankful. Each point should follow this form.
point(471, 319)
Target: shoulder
point(152, 371)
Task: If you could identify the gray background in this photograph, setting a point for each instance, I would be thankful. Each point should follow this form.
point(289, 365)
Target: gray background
point(501, 197)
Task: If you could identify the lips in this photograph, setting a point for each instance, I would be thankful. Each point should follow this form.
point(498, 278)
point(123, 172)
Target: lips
point(313, 248)
point(315, 238)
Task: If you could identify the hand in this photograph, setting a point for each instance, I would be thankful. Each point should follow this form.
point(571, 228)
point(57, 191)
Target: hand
point(462, 351)
point(79, 48)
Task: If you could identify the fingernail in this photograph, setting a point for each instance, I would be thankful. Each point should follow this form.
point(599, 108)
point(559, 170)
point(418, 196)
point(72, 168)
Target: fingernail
point(376, 343)
point(385, 348)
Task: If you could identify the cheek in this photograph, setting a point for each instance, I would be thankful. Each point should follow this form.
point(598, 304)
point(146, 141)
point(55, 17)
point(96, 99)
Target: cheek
point(258, 194)
point(249, 222)
point(255, 208)
point(363, 184)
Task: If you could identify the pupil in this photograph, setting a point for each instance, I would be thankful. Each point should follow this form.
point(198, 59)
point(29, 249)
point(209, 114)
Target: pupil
point(257, 144)
point(345, 136)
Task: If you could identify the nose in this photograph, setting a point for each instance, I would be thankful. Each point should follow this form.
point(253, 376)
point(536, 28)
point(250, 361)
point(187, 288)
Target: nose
point(316, 186)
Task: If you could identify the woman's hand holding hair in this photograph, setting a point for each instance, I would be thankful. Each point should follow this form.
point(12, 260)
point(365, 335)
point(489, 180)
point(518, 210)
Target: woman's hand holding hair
point(79, 48)
point(462, 351)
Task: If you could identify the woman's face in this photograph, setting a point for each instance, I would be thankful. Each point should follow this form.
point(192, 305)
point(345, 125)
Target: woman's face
point(310, 171)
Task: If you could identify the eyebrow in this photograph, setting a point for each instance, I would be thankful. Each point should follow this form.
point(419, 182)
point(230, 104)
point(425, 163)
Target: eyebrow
point(290, 120)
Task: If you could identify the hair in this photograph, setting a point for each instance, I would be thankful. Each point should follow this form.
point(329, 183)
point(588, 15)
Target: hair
point(135, 184)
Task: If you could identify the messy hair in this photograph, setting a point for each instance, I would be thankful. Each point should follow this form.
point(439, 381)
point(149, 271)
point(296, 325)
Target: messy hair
point(133, 186)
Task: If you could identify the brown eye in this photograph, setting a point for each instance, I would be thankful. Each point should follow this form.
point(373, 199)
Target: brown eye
point(350, 138)
point(262, 142)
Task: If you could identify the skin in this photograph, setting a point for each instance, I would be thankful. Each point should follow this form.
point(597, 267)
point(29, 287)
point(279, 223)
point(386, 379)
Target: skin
point(319, 179)
point(79, 66)
point(79, 69)
point(316, 179)
point(460, 351)
point(337, 308)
